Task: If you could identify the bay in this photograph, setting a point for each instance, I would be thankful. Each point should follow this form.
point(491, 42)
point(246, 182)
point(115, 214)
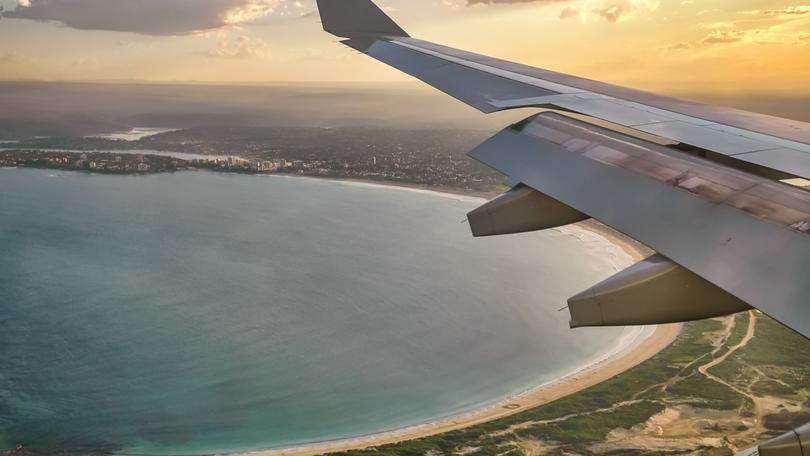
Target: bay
point(200, 313)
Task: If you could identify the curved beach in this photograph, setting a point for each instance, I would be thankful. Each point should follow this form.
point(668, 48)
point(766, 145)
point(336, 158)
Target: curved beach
point(642, 347)
point(636, 346)
point(249, 382)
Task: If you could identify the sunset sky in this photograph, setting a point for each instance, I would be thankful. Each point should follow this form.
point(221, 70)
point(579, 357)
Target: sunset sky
point(651, 44)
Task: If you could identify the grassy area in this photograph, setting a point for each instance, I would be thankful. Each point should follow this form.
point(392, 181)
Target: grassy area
point(769, 387)
point(787, 420)
point(775, 363)
point(571, 424)
point(741, 323)
point(593, 427)
point(702, 392)
point(735, 372)
point(784, 353)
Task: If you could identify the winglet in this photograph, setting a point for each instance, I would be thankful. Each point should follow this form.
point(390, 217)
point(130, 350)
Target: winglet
point(356, 18)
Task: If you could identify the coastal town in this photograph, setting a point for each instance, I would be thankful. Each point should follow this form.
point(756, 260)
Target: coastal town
point(431, 158)
point(91, 161)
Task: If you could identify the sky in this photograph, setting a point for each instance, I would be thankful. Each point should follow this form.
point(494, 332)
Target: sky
point(674, 45)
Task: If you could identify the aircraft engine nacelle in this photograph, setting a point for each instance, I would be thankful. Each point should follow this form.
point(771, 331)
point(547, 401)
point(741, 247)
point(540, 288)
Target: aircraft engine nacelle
point(521, 210)
point(654, 291)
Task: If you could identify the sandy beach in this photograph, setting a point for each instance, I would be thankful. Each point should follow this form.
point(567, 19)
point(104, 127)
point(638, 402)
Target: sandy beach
point(642, 349)
point(637, 346)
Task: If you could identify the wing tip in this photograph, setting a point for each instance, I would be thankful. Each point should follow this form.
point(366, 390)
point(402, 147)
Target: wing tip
point(353, 18)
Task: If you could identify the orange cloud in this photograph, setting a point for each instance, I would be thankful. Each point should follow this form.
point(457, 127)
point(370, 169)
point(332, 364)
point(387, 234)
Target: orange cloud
point(148, 17)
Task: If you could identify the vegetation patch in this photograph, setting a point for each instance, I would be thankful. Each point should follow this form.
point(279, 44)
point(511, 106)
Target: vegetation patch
point(769, 387)
point(594, 427)
point(706, 393)
point(786, 421)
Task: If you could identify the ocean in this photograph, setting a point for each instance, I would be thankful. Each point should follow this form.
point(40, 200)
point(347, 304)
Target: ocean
point(199, 313)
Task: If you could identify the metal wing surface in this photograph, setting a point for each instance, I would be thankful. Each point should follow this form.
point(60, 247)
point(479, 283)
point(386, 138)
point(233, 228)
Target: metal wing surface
point(699, 184)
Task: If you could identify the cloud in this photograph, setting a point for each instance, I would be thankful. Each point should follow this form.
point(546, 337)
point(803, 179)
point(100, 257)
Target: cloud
point(682, 46)
point(771, 36)
point(569, 12)
point(790, 10)
point(787, 11)
point(609, 10)
point(148, 17)
point(616, 10)
point(483, 3)
point(85, 61)
point(724, 36)
point(11, 57)
point(501, 2)
point(716, 25)
point(240, 48)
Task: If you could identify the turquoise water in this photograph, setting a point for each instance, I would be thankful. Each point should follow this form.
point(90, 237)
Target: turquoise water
point(198, 313)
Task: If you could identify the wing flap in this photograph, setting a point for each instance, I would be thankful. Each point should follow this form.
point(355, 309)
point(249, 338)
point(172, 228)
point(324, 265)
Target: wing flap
point(625, 298)
point(735, 248)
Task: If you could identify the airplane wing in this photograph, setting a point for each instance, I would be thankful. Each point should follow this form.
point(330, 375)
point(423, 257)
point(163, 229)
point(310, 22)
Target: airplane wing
point(778, 145)
point(701, 185)
point(706, 187)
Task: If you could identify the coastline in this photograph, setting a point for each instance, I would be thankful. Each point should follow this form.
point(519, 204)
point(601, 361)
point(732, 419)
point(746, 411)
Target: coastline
point(635, 347)
point(640, 345)
point(644, 345)
point(437, 190)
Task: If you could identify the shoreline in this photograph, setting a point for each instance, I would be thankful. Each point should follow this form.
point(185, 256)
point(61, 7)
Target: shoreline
point(635, 346)
point(644, 343)
point(436, 190)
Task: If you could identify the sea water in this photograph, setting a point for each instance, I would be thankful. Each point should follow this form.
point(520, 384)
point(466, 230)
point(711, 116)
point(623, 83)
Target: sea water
point(199, 313)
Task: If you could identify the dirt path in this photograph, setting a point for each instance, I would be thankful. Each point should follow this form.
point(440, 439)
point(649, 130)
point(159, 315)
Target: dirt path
point(704, 369)
point(749, 334)
point(729, 328)
point(721, 352)
point(528, 424)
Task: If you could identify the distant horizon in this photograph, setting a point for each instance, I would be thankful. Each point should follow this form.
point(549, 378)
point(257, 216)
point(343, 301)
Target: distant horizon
point(49, 108)
point(410, 85)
